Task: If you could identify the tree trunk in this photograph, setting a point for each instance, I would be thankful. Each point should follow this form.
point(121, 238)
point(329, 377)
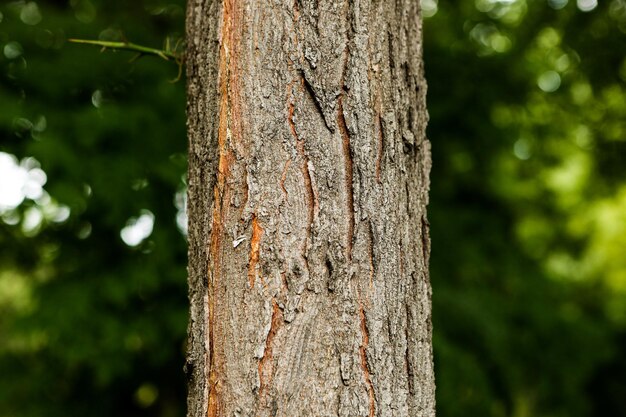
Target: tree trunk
point(308, 182)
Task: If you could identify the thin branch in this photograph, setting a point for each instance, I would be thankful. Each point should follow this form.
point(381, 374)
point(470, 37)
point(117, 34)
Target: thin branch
point(165, 54)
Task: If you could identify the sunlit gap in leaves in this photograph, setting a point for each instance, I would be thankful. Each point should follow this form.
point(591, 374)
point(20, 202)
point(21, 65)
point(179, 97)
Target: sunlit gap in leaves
point(138, 229)
point(508, 11)
point(429, 8)
point(24, 180)
point(494, 35)
point(180, 201)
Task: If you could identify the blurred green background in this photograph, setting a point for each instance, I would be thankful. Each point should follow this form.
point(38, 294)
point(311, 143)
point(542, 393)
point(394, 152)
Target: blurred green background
point(528, 209)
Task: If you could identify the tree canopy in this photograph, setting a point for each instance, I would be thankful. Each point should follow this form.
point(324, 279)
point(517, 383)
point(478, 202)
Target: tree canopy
point(527, 107)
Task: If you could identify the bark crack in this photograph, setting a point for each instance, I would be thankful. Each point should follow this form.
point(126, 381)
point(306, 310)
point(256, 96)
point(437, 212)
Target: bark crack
point(407, 359)
point(347, 154)
point(425, 240)
point(266, 363)
point(305, 82)
point(380, 150)
point(371, 261)
point(316, 101)
point(306, 175)
point(347, 151)
point(364, 363)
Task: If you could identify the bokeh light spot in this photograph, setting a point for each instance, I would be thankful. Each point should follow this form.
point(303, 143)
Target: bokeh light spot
point(13, 50)
point(19, 181)
point(84, 10)
point(30, 13)
point(557, 4)
point(32, 221)
point(146, 395)
point(587, 5)
point(521, 149)
point(549, 81)
point(96, 99)
point(180, 201)
point(429, 8)
point(138, 228)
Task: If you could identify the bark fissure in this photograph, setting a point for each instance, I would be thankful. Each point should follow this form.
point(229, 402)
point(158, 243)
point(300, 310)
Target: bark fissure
point(425, 240)
point(380, 149)
point(372, 267)
point(364, 363)
point(345, 136)
point(347, 155)
point(266, 367)
point(407, 362)
point(306, 176)
point(316, 101)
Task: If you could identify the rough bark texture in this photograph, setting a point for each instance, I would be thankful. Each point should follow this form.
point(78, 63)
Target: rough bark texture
point(308, 182)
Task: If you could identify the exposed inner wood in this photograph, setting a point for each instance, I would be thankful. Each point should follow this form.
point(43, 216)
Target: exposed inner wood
point(221, 197)
point(255, 248)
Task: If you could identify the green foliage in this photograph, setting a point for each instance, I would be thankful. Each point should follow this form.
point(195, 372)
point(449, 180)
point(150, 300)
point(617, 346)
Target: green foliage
point(528, 204)
point(88, 324)
point(527, 123)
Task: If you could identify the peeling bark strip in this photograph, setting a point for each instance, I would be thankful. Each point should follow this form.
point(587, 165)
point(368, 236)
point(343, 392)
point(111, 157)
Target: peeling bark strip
point(306, 125)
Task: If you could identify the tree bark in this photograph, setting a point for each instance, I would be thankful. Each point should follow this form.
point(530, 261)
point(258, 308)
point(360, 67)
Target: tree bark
point(308, 184)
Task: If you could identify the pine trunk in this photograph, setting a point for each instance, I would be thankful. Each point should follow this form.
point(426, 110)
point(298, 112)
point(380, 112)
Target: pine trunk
point(308, 185)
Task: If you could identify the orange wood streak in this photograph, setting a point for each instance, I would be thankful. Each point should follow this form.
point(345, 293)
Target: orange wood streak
point(214, 405)
point(266, 364)
point(371, 264)
point(364, 364)
point(255, 248)
point(229, 134)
